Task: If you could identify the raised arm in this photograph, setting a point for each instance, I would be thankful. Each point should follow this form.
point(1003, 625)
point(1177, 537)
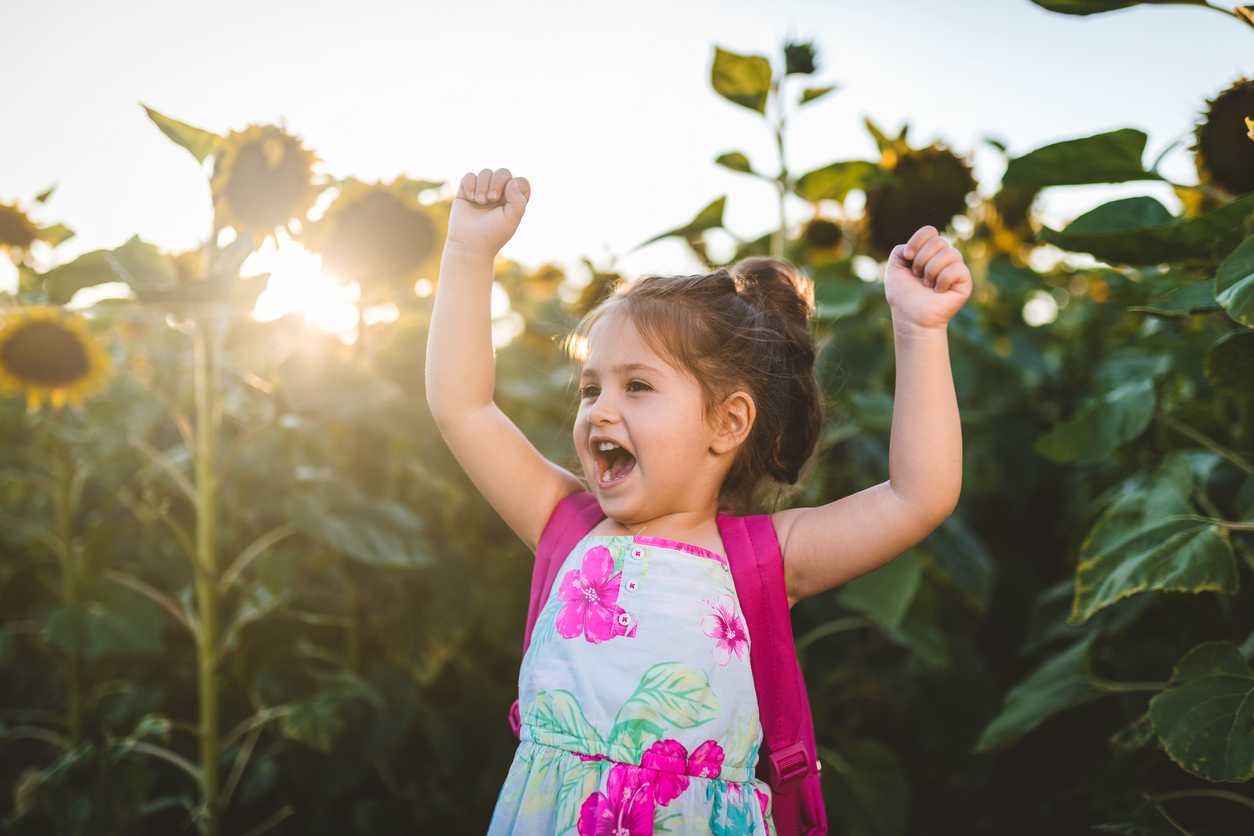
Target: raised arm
point(521, 484)
point(926, 282)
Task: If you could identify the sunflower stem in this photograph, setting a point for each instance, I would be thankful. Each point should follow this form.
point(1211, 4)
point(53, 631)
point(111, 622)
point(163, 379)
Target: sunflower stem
point(777, 239)
point(70, 584)
point(204, 337)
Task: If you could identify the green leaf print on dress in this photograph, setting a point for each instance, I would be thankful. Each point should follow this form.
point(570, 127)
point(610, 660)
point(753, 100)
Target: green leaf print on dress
point(672, 693)
point(669, 693)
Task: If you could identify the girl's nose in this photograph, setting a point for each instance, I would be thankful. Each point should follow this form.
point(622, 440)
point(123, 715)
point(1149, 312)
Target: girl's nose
point(602, 411)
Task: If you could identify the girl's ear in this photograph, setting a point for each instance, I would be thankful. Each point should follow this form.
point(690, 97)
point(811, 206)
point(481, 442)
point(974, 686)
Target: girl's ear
point(734, 419)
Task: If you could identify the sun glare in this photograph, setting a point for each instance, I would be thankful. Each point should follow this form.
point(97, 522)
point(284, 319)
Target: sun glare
point(297, 285)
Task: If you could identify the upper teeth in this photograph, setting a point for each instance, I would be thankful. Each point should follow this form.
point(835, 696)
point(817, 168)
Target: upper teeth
point(606, 446)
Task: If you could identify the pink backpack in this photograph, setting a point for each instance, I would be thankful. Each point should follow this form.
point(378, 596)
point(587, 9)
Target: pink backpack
point(788, 760)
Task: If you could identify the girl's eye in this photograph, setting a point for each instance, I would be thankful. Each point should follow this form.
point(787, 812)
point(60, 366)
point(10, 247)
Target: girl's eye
point(589, 391)
point(638, 386)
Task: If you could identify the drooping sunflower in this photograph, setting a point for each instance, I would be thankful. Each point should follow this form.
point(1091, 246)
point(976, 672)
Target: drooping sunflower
point(380, 235)
point(18, 232)
point(931, 186)
point(262, 179)
point(47, 353)
point(821, 240)
point(1223, 154)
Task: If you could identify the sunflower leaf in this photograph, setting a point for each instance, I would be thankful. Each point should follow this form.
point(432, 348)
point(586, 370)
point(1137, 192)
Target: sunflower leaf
point(1115, 419)
point(836, 180)
point(1234, 283)
point(1229, 364)
point(1093, 7)
point(711, 217)
point(1140, 230)
point(1205, 721)
point(198, 142)
point(742, 79)
point(1113, 157)
point(812, 93)
point(56, 234)
point(1061, 682)
point(736, 161)
point(88, 270)
point(1149, 539)
point(1195, 297)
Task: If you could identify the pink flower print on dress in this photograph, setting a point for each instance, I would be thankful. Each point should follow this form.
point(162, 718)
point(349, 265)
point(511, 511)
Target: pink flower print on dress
point(706, 760)
point(664, 760)
point(763, 801)
point(662, 764)
point(627, 809)
point(591, 597)
point(725, 625)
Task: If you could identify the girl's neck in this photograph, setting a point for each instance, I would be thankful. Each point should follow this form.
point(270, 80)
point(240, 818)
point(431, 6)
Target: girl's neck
point(694, 528)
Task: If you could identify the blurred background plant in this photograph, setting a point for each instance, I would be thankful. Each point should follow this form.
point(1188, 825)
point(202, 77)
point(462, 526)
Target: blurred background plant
point(244, 588)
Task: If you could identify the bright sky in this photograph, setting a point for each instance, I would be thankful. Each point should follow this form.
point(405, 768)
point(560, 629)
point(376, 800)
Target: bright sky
point(605, 107)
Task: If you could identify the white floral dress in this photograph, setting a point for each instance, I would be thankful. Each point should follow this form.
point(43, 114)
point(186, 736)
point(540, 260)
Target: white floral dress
point(639, 714)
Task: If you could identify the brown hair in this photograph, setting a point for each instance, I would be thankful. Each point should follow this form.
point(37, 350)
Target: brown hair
point(747, 328)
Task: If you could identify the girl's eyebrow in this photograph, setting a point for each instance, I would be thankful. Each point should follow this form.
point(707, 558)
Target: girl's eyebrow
point(620, 369)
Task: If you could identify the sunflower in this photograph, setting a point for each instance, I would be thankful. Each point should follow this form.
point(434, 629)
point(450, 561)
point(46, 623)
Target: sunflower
point(821, 239)
point(262, 179)
point(930, 187)
point(47, 352)
point(1224, 157)
point(379, 235)
point(18, 232)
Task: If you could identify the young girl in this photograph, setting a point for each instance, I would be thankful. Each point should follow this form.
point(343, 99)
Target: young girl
point(637, 702)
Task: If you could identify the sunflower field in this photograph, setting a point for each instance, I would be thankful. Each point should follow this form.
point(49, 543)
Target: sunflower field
point(245, 588)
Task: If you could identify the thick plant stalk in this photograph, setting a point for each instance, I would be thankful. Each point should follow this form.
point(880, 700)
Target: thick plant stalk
point(70, 584)
point(206, 564)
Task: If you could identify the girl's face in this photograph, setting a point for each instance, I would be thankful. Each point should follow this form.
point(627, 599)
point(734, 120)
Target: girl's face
point(642, 433)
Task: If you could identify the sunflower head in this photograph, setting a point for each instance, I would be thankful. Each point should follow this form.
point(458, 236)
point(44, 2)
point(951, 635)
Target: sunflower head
point(1223, 154)
point(262, 178)
point(379, 235)
point(821, 240)
point(18, 232)
point(47, 353)
point(930, 186)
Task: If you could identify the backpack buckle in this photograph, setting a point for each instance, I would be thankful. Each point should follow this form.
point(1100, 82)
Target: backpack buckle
point(787, 767)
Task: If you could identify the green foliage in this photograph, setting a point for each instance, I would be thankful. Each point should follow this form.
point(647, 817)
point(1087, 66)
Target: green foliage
point(743, 79)
point(1113, 157)
point(836, 180)
point(1091, 7)
point(1140, 230)
point(198, 142)
point(1149, 539)
point(1234, 283)
point(1207, 721)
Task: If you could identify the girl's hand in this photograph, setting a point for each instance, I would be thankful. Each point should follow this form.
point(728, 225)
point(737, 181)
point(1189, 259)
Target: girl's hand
point(926, 281)
point(486, 210)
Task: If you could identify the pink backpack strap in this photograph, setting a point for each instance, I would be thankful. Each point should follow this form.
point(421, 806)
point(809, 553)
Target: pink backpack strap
point(788, 756)
point(572, 519)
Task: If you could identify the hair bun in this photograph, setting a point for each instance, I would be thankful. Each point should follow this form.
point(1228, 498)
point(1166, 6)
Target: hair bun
point(781, 288)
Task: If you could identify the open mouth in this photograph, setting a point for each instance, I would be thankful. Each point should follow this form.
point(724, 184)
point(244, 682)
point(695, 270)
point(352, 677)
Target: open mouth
point(613, 463)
